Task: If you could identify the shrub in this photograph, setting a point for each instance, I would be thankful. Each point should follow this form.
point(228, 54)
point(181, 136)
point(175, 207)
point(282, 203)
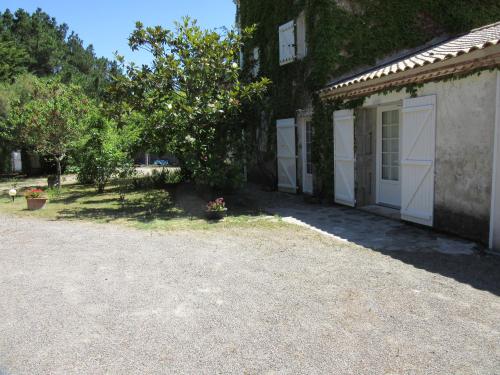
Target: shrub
point(158, 179)
point(103, 154)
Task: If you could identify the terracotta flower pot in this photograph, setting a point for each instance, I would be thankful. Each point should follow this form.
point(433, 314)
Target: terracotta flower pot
point(216, 215)
point(36, 203)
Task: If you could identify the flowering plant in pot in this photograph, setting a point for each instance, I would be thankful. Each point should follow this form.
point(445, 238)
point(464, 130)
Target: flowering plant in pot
point(35, 199)
point(216, 209)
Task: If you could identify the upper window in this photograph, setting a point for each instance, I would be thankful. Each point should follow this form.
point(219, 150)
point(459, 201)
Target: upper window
point(292, 40)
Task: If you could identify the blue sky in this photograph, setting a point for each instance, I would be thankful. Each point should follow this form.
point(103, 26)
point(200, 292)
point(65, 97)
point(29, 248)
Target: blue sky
point(107, 23)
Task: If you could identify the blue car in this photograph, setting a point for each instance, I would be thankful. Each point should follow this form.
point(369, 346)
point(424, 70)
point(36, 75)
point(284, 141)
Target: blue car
point(161, 163)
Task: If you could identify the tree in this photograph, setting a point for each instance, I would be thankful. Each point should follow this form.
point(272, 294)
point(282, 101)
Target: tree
point(104, 149)
point(192, 96)
point(52, 120)
point(36, 43)
point(13, 60)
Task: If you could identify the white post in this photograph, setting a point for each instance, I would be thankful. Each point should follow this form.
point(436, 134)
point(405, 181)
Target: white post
point(495, 187)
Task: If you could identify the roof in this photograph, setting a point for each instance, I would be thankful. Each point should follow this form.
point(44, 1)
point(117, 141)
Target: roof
point(475, 40)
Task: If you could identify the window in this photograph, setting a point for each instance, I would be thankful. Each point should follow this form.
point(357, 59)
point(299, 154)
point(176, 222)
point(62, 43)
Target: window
point(390, 145)
point(287, 42)
point(308, 147)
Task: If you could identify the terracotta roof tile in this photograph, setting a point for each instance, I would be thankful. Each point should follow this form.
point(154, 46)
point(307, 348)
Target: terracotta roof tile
point(476, 39)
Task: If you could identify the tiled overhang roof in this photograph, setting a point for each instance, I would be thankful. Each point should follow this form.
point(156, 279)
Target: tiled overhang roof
point(477, 39)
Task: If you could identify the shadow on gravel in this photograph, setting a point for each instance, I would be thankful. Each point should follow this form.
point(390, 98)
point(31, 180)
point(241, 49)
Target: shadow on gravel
point(423, 248)
point(479, 271)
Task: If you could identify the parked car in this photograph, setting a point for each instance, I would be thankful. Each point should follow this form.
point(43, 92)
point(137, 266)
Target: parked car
point(161, 162)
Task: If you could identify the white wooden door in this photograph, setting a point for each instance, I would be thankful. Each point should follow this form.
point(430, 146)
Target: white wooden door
point(17, 165)
point(418, 149)
point(388, 156)
point(307, 173)
point(343, 157)
point(287, 158)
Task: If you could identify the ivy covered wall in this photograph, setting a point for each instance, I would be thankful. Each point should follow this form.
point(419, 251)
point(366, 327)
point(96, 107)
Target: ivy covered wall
point(342, 36)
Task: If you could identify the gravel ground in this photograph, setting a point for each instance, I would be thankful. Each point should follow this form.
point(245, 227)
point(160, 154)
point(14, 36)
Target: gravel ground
point(80, 298)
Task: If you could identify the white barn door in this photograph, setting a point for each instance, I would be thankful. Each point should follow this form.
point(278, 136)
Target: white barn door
point(343, 156)
point(418, 149)
point(287, 158)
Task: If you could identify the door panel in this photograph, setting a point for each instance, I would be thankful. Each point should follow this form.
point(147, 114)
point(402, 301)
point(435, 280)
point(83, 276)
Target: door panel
point(417, 159)
point(343, 156)
point(287, 168)
point(307, 173)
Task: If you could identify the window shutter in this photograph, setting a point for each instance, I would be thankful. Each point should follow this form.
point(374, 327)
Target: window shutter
point(287, 42)
point(343, 157)
point(256, 61)
point(417, 159)
point(301, 36)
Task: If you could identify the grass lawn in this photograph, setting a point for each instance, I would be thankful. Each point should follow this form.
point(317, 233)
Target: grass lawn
point(178, 207)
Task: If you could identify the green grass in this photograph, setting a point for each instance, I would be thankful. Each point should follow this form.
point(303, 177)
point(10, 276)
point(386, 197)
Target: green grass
point(152, 209)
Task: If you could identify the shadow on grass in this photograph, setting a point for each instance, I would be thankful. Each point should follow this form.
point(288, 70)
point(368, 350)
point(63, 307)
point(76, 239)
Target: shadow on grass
point(144, 206)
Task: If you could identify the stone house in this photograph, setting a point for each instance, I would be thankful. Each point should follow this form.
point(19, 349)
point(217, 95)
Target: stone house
point(415, 136)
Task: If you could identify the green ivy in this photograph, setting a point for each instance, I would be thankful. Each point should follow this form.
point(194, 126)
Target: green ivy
point(342, 36)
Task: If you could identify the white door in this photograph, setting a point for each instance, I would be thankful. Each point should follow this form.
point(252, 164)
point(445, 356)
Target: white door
point(17, 165)
point(343, 156)
point(388, 145)
point(287, 158)
point(418, 146)
point(307, 174)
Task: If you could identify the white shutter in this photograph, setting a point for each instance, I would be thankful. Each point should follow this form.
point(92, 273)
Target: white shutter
point(287, 169)
point(343, 156)
point(256, 61)
point(287, 42)
point(418, 149)
point(301, 36)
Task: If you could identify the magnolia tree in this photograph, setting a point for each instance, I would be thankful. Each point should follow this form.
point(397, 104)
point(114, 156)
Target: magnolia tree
point(51, 121)
point(192, 95)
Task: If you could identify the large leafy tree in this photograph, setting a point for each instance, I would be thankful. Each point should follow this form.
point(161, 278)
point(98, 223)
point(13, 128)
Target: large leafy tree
point(51, 120)
point(192, 95)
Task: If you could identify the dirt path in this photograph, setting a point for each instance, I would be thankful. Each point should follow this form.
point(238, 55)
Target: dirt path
point(82, 298)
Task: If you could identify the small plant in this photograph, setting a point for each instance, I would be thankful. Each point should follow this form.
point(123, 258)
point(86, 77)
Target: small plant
point(54, 193)
point(34, 193)
point(216, 210)
point(217, 205)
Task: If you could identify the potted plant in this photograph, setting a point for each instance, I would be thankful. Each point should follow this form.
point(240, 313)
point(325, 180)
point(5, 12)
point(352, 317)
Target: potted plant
point(216, 210)
point(35, 199)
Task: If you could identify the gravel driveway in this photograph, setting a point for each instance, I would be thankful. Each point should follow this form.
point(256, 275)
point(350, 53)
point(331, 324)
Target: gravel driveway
point(80, 298)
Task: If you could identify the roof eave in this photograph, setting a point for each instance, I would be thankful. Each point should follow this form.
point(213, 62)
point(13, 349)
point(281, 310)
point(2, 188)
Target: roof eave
point(488, 57)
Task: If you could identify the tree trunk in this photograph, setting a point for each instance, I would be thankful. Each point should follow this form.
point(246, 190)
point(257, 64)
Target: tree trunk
point(58, 177)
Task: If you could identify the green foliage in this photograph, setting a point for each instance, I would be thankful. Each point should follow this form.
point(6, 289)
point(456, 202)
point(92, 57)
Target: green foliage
point(158, 179)
point(103, 151)
point(13, 60)
point(343, 36)
point(192, 96)
point(38, 44)
point(49, 119)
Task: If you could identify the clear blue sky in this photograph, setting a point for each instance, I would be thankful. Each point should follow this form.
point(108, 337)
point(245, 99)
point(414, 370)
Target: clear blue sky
point(107, 23)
